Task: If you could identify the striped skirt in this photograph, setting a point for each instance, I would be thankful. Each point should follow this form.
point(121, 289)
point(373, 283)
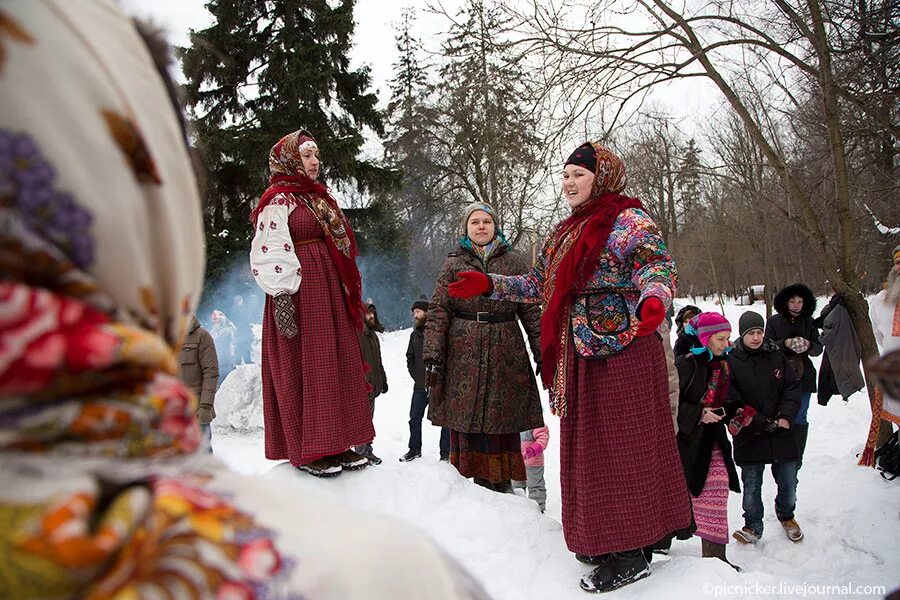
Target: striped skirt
point(711, 506)
point(495, 457)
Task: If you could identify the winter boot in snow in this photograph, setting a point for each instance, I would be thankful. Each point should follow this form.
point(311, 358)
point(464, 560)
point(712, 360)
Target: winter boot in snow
point(792, 529)
point(411, 455)
point(617, 570)
point(350, 460)
point(484, 483)
point(370, 456)
point(746, 535)
point(322, 467)
point(504, 487)
point(663, 546)
point(714, 550)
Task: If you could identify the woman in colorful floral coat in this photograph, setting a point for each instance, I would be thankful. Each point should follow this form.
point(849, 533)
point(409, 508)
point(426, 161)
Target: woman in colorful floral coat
point(102, 494)
point(605, 278)
point(303, 256)
point(486, 392)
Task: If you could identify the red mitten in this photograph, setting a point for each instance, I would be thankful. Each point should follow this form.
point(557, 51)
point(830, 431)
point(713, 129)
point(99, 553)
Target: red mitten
point(470, 284)
point(651, 313)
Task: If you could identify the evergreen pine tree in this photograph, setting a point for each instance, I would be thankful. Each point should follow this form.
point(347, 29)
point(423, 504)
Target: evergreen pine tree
point(264, 69)
point(689, 178)
point(408, 146)
point(484, 132)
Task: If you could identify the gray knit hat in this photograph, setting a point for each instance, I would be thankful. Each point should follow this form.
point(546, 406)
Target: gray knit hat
point(750, 320)
point(479, 206)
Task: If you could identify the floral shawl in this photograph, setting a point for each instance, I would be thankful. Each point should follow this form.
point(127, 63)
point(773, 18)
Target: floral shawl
point(574, 247)
point(101, 246)
point(288, 182)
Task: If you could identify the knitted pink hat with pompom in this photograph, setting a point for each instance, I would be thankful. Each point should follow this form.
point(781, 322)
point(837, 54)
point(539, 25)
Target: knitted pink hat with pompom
point(709, 323)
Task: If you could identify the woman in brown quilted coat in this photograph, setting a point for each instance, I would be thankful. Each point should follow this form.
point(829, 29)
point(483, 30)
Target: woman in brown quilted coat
point(481, 382)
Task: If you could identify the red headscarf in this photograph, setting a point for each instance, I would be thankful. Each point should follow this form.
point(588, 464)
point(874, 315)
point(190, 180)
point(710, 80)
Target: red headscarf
point(287, 177)
point(573, 250)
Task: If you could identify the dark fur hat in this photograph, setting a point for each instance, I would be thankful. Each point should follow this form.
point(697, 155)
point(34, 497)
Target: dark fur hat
point(798, 289)
point(422, 303)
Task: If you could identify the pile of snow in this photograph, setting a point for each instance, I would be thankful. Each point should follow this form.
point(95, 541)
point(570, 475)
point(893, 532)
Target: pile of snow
point(239, 400)
point(849, 514)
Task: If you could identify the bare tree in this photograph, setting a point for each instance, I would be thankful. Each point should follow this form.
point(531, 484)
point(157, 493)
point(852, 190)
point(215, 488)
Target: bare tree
point(761, 55)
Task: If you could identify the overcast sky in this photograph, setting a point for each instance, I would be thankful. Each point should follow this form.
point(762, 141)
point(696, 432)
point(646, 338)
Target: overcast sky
point(373, 39)
point(692, 101)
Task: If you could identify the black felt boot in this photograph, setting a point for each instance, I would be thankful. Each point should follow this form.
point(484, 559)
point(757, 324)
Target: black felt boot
point(617, 570)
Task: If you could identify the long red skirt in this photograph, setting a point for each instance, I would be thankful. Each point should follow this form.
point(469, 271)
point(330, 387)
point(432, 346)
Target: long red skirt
point(622, 485)
point(495, 457)
point(315, 402)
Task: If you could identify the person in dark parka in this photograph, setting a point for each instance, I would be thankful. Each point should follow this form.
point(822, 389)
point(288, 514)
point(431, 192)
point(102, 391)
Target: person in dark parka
point(766, 382)
point(840, 370)
point(793, 330)
point(685, 340)
point(375, 376)
point(415, 365)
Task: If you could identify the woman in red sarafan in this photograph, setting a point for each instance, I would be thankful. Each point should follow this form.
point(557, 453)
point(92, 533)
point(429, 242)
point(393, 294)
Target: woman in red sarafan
point(605, 279)
point(303, 256)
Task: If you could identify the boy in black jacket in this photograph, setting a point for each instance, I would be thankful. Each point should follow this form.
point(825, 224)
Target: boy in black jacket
point(765, 380)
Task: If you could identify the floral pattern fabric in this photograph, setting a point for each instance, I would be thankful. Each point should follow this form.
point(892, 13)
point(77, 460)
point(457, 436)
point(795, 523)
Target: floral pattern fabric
point(635, 265)
point(100, 250)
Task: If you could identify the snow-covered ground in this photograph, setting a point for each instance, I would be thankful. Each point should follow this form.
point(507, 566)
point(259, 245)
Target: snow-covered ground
point(850, 515)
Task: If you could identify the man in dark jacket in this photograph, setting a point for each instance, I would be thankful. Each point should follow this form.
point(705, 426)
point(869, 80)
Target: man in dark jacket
point(795, 333)
point(765, 381)
point(375, 377)
point(200, 372)
point(416, 367)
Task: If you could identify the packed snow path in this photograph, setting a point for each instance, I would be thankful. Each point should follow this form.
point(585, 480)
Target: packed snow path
point(850, 515)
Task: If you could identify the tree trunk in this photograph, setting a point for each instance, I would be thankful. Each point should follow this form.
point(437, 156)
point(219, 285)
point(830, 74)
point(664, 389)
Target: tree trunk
point(859, 316)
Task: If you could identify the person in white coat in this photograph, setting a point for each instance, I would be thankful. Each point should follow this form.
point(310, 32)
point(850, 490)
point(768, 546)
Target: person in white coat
point(884, 311)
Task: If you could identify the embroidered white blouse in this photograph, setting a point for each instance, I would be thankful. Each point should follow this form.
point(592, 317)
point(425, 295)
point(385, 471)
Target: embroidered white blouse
point(273, 261)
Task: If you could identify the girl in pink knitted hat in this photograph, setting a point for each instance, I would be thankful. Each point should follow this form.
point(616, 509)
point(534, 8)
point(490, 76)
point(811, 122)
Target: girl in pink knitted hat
point(707, 403)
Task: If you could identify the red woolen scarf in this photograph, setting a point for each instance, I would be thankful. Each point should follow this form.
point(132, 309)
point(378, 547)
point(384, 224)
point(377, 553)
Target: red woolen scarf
point(339, 236)
point(574, 248)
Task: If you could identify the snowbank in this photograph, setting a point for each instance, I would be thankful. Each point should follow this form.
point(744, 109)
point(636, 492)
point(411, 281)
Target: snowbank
point(239, 400)
point(849, 514)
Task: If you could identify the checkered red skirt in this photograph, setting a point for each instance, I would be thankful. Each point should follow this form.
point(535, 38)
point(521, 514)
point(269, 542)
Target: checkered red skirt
point(315, 402)
point(622, 484)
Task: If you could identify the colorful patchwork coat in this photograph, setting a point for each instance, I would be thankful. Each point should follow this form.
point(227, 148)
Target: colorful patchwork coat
point(635, 265)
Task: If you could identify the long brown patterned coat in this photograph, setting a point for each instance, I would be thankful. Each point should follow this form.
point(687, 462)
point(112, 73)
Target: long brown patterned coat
point(488, 384)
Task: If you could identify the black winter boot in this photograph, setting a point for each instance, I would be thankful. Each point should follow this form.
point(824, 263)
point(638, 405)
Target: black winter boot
point(713, 550)
point(504, 487)
point(617, 570)
point(484, 483)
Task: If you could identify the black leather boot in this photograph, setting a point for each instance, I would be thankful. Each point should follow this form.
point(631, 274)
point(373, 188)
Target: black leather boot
point(617, 570)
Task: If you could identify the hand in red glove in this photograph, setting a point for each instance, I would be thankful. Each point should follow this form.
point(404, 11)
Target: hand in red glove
point(470, 284)
point(651, 313)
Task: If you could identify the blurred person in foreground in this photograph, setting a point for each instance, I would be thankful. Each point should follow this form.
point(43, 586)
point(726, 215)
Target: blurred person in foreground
point(102, 493)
